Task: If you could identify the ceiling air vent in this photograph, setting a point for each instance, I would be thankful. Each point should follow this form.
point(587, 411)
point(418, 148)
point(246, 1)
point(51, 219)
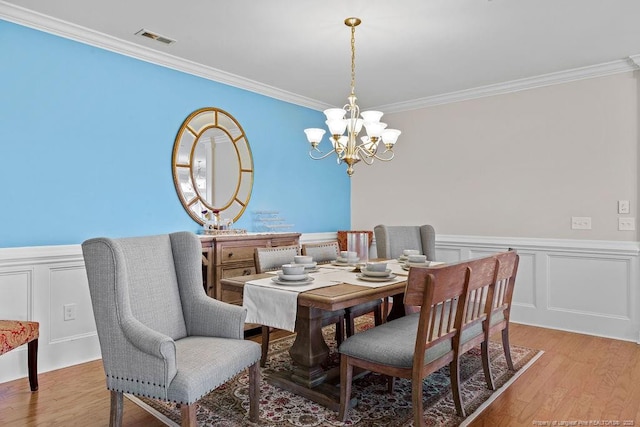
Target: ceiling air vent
point(154, 36)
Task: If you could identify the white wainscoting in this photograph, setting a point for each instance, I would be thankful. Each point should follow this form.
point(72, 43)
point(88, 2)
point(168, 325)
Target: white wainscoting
point(35, 284)
point(583, 286)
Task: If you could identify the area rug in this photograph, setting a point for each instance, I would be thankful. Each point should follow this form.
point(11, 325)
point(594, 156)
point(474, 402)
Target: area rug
point(227, 406)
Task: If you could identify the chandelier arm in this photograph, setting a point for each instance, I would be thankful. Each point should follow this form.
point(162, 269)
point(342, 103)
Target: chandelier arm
point(366, 154)
point(383, 159)
point(324, 156)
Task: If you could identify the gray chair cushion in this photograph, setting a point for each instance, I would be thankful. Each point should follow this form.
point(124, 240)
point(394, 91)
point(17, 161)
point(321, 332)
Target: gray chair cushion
point(200, 360)
point(391, 343)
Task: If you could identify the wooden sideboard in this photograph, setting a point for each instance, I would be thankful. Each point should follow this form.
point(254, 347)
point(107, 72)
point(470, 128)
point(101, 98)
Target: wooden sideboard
point(232, 255)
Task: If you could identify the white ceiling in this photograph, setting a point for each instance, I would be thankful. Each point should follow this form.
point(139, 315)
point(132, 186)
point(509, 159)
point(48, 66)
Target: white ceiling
point(407, 51)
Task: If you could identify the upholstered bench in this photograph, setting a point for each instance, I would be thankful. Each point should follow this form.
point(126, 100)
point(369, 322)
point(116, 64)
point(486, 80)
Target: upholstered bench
point(13, 334)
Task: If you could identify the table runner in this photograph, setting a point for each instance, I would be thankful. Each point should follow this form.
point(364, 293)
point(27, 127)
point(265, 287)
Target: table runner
point(274, 305)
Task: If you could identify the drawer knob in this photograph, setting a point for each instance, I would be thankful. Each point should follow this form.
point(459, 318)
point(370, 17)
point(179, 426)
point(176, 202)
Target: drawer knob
point(230, 254)
point(247, 272)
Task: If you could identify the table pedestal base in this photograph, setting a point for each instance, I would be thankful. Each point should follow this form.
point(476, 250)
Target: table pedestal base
point(308, 352)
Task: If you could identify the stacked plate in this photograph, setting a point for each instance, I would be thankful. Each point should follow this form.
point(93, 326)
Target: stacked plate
point(293, 279)
point(406, 265)
point(375, 276)
point(310, 267)
point(345, 261)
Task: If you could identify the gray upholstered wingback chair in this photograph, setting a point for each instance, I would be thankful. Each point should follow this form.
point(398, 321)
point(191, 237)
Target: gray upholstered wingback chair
point(161, 336)
point(391, 240)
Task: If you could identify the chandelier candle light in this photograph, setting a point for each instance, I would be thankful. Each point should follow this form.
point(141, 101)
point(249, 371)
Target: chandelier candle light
point(346, 147)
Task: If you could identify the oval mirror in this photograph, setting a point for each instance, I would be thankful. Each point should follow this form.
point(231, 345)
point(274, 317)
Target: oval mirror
point(212, 165)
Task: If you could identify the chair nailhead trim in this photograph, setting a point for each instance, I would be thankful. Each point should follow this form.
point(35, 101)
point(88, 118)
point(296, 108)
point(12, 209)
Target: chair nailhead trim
point(136, 380)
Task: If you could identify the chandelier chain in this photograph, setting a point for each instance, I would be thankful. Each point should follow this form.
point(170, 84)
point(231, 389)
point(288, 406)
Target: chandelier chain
point(353, 60)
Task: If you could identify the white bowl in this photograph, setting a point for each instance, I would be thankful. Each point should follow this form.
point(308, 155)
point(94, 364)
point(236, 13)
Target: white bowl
point(408, 252)
point(293, 269)
point(376, 266)
point(349, 254)
point(414, 259)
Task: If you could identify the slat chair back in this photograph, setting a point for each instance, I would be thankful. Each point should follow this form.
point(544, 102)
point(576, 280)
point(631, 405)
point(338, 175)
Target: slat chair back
point(394, 350)
point(438, 292)
point(322, 252)
point(501, 302)
point(472, 322)
point(271, 259)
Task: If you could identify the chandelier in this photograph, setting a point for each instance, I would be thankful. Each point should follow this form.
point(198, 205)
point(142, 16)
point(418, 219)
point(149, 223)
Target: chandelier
point(347, 147)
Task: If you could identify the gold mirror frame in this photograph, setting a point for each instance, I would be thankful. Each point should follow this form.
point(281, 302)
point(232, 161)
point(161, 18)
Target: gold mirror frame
point(198, 193)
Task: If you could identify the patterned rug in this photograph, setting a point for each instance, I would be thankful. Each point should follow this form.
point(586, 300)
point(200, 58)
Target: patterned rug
point(227, 406)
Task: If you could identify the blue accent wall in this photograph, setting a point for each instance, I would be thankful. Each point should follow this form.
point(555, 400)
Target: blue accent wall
point(86, 137)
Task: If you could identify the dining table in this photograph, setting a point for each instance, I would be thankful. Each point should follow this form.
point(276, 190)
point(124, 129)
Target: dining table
point(309, 351)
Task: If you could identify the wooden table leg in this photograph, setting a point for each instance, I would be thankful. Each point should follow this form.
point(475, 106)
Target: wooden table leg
point(309, 349)
point(397, 308)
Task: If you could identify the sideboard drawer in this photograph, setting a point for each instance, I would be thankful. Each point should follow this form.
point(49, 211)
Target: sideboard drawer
point(239, 271)
point(236, 254)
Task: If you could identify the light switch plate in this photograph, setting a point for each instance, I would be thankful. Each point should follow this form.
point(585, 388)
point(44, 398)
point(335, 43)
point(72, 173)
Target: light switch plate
point(623, 206)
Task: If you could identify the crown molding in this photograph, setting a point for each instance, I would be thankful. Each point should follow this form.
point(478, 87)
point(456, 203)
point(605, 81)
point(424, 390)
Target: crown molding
point(624, 65)
point(85, 35)
point(29, 18)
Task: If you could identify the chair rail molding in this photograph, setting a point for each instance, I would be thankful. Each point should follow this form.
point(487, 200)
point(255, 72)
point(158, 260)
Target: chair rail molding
point(583, 286)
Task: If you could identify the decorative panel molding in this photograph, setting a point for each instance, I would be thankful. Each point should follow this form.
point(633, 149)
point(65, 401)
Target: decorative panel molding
point(69, 286)
point(37, 281)
point(590, 286)
point(16, 290)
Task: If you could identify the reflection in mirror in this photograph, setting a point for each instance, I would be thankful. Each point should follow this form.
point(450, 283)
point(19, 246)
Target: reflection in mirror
point(212, 165)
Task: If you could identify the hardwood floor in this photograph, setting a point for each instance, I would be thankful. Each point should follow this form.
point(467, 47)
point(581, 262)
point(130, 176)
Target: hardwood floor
point(579, 379)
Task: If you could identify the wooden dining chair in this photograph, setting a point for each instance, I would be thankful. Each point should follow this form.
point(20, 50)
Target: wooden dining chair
point(500, 312)
point(412, 346)
point(473, 322)
point(324, 253)
point(272, 259)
